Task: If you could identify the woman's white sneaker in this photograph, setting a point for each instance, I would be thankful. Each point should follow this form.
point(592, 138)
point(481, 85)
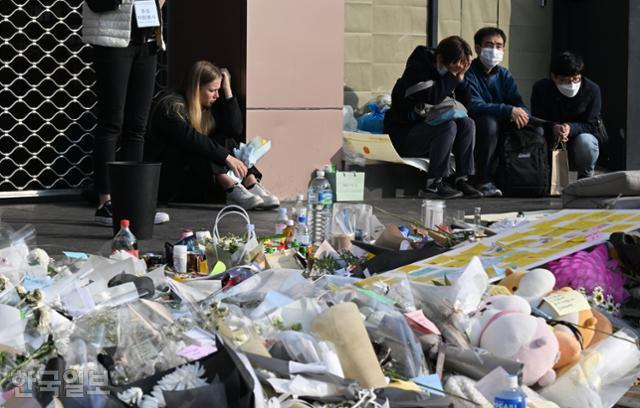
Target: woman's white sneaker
point(242, 197)
point(270, 200)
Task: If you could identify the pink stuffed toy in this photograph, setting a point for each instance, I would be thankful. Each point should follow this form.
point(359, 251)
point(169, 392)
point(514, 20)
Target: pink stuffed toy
point(590, 271)
point(504, 326)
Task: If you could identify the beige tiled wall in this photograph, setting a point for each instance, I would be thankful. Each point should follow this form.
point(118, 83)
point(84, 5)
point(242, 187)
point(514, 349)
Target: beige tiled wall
point(379, 36)
point(527, 25)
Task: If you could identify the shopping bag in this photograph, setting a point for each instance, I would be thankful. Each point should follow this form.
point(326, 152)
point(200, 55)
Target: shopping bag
point(559, 169)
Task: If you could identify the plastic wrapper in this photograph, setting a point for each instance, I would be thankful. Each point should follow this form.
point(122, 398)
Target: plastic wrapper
point(396, 343)
point(250, 153)
point(450, 306)
point(148, 341)
point(602, 375)
point(288, 282)
point(14, 252)
point(342, 325)
point(477, 363)
point(352, 220)
point(349, 121)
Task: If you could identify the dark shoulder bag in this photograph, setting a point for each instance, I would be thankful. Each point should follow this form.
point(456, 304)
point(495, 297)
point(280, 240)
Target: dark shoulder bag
point(100, 6)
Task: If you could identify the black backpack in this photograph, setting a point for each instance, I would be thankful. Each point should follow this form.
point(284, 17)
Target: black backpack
point(523, 163)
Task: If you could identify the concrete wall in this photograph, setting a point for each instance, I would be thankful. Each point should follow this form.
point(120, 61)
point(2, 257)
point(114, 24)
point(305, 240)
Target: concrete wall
point(528, 27)
point(379, 35)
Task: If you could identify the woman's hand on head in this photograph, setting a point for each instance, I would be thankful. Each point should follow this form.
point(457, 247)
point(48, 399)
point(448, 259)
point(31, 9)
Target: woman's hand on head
point(226, 82)
point(237, 166)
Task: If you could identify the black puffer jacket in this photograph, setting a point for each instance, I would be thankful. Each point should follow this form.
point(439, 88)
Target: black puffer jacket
point(420, 83)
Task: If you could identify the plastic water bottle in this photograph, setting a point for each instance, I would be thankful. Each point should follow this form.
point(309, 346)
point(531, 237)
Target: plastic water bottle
point(512, 396)
point(281, 221)
point(320, 201)
point(298, 208)
point(302, 231)
point(125, 240)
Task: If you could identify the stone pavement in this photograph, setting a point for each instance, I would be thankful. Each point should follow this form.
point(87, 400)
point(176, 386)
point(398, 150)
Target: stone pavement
point(69, 225)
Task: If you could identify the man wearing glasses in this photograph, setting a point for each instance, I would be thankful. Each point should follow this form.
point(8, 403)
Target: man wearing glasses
point(494, 101)
point(572, 103)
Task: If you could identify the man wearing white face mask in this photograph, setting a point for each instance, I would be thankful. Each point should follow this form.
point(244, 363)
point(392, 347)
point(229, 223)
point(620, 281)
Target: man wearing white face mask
point(494, 102)
point(571, 102)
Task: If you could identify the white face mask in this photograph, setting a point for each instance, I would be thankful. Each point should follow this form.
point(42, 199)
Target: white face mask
point(490, 57)
point(569, 90)
point(441, 69)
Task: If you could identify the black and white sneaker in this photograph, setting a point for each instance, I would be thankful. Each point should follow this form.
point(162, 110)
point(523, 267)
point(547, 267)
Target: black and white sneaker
point(443, 190)
point(467, 189)
point(104, 215)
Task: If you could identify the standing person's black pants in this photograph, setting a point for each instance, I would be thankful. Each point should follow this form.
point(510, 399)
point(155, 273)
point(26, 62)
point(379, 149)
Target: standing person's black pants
point(437, 143)
point(488, 131)
point(125, 80)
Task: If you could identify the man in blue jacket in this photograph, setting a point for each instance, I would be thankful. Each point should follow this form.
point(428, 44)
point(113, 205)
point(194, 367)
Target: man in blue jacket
point(571, 103)
point(494, 101)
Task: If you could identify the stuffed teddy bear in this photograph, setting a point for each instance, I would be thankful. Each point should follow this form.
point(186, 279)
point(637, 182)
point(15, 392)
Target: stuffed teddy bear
point(584, 319)
point(503, 325)
point(530, 285)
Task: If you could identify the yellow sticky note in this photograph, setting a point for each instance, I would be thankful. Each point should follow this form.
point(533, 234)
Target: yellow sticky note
point(635, 220)
point(565, 245)
point(523, 243)
point(409, 268)
point(618, 217)
point(567, 302)
point(581, 225)
point(543, 231)
point(439, 260)
point(513, 237)
point(618, 228)
point(477, 249)
point(566, 217)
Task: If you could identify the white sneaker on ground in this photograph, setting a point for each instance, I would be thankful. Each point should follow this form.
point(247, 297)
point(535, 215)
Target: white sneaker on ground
point(242, 197)
point(270, 200)
point(161, 218)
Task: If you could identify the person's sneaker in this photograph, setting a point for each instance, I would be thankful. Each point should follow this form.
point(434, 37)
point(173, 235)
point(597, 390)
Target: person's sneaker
point(104, 215)
point(242, 197)
point(467, 189)
point(443, 190)
point(161, 218)
point(270, 200)
point(490, 190)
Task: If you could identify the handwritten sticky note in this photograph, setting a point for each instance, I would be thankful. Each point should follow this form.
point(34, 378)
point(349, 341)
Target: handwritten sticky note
point(349, 186)
point(567, 302)
point(419, 322)
point(194, 352)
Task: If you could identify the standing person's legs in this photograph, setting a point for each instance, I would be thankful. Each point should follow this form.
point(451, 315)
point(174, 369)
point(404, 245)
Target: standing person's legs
point(142, 80)
point(487, 137)
point(112, 67)
point(585, 150)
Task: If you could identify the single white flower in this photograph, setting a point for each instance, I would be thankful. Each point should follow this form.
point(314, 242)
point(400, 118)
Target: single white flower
point(38, 256)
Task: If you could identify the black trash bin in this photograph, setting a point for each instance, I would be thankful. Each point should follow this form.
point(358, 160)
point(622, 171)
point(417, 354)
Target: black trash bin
point(134, 193)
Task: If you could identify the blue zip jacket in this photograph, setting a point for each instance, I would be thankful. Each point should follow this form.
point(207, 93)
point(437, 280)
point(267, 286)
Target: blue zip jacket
point(491, 94)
